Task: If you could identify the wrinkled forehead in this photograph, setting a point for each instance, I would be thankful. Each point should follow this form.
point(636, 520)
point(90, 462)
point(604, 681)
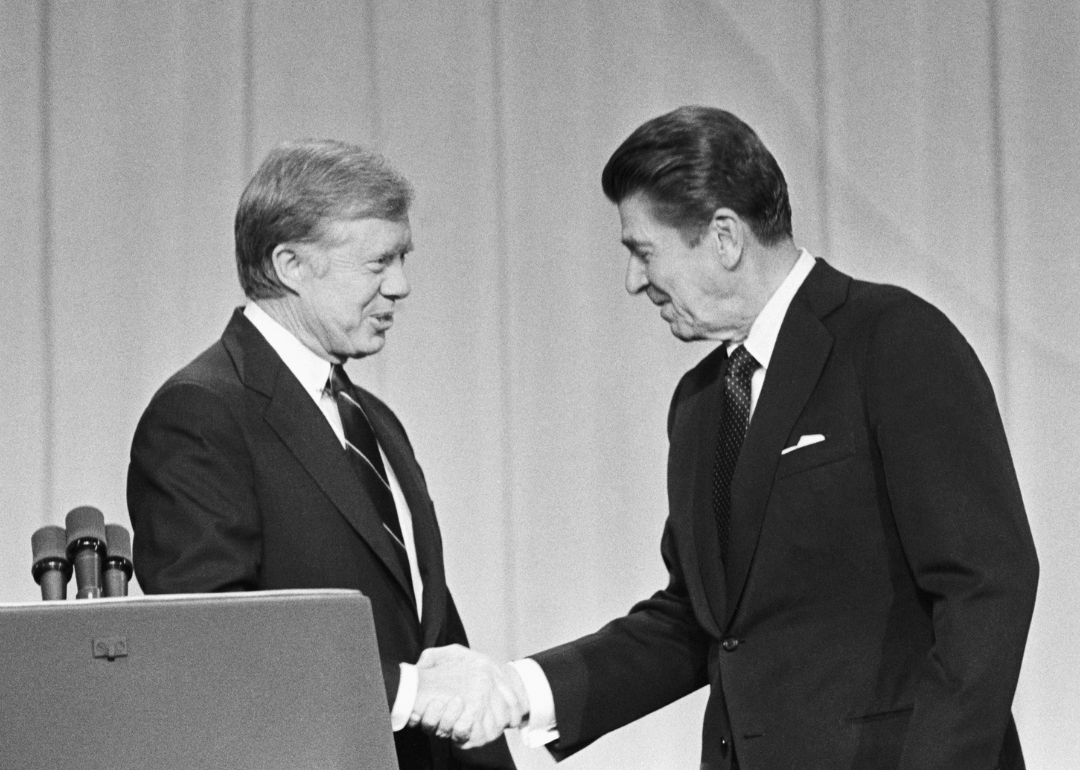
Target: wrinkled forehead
point(393, 234)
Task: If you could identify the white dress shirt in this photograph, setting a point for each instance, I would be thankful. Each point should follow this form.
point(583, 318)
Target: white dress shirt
point(760, 341)
point(313, 373)
point(766, 327)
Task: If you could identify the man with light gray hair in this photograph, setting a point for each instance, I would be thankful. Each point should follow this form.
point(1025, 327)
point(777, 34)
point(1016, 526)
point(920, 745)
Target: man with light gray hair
point(259, 465)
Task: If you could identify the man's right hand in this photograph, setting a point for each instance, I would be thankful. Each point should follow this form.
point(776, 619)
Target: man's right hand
point(466, 696)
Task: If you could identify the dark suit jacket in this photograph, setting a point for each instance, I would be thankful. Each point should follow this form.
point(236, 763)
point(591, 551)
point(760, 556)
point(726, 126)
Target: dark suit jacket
point(237, 482)
point(880, 584)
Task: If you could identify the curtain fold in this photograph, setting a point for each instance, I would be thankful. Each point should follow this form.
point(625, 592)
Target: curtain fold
point(933, 146)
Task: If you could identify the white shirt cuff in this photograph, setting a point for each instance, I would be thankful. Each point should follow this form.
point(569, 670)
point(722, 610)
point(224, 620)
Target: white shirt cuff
point(540, 729)
point(406, 696)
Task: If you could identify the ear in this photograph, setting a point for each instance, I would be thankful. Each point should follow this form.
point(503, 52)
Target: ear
point(290, 267)
point(728, 232)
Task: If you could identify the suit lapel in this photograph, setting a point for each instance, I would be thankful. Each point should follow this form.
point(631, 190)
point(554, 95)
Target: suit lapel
point(693, 445)
point(426, 536)
point(302, 427)
point(801, 350)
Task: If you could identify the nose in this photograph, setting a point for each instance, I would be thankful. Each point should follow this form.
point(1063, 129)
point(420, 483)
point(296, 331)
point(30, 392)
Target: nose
point(636, 279)
point(395, 284)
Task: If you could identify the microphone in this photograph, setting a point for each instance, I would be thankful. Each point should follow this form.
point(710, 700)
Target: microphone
point(117, 560)
point(86, 544)
point(51, 569)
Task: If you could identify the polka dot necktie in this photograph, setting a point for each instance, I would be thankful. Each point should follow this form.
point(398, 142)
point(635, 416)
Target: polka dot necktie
point(363, 450)
point(733, 423)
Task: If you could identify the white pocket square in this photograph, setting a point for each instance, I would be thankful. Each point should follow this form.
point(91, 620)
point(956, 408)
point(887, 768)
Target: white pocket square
point(812, 438)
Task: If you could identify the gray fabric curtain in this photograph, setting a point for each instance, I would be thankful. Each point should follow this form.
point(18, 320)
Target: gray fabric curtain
point(934, 145)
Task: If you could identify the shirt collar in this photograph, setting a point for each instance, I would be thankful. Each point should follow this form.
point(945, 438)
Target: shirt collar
point(312, 371)
point(766, 327)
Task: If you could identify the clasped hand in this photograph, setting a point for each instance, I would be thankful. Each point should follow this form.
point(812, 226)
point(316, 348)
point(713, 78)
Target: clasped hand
point(466, 696)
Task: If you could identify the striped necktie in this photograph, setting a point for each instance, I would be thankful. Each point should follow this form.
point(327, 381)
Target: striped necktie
point(363, 449)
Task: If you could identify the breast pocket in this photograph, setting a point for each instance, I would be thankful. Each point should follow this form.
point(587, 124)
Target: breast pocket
point(833, 449)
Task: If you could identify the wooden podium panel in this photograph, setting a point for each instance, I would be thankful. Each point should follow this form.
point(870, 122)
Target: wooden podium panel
point(271, 680)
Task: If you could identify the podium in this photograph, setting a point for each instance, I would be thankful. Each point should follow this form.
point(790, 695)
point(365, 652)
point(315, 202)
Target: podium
point(271, 680)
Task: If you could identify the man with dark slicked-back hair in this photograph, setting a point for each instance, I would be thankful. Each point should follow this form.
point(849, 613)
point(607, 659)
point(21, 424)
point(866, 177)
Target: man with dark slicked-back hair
point(260, 466)
point(851, 570)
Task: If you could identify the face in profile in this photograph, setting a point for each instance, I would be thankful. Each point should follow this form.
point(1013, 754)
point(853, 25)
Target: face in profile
point(350, 283)
point(687, 282)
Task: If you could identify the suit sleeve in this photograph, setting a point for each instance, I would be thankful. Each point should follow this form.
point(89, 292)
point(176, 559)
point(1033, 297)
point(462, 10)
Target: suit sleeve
point(631, 667)
point(191, 496)
point(961, 521)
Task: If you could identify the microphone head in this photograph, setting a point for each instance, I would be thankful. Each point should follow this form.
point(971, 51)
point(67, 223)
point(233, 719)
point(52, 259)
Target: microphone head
point(85, 522)
point(119, 542)
point(49, 543)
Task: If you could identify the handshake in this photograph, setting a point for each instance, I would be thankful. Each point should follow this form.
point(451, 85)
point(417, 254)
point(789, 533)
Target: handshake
point(466, 696)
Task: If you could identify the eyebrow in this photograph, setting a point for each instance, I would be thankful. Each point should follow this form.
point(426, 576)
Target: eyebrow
point(407, 248)
point(634, 243)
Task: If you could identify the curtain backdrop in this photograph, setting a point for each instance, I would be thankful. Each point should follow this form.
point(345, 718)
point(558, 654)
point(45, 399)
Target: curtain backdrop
point(933, 145)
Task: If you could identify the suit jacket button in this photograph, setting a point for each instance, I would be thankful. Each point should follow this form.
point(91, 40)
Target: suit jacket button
point(730, 644)
point(724, 747)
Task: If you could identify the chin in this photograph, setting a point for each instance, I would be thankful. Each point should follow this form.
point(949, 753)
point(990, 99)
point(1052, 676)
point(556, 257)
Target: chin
point(682, 333)
point(367, 347)
point(374, 346)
